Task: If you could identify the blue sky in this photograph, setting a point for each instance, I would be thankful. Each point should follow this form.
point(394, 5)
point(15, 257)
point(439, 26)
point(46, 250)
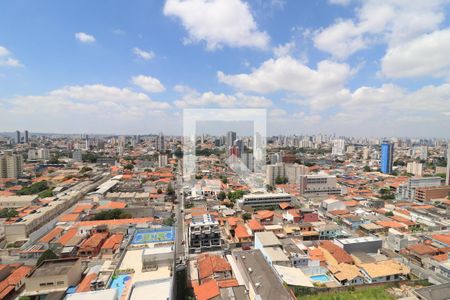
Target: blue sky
point(363, 68)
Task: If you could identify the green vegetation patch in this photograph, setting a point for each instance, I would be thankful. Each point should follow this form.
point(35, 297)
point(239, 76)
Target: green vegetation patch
point(371, 293)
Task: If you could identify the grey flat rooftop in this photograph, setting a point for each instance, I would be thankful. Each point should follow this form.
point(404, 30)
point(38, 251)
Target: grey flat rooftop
point(435, 292)
point(267, 238)
point(262, 276)
point(54, 267)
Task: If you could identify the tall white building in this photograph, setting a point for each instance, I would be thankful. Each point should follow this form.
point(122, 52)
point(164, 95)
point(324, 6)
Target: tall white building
point(315, 185)
point(414, 168)
point(77, 155)
point(408, 190)
point(366, 153)
point(338, 147)
point(160, 144)
point(248, 161)
point(39, 154)
point(423, 152)
point(162, 160)
point(447, 178)
point(291, 171)
point(231, 137)
point(10, 165)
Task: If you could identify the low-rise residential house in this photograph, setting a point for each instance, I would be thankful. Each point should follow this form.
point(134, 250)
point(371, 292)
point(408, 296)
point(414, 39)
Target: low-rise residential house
point(346, 274)
point(329, 205)
point(334, 254)
point(292, 215)
point(92, 245)
point(241, 236)
point(54, 275)
point(418, 252)
point(12, 279)
point(352, 221)
point(328, 231)
point(384, 271)
point(212, 267)
point(398, 241)
point(111, 245)
point(265, 217)
point(255, 226)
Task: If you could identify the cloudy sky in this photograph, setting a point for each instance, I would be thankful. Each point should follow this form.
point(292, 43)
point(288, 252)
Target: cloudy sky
point(374, 68)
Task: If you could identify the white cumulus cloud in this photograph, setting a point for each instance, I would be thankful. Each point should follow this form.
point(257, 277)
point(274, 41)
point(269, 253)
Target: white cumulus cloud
point(288, 74)
point(145, 55)
point(193, 98)
point(84, 37)
point(6, 59)
point(148, 83)
point(427, 55)
point(392, 21)
point(218, 22)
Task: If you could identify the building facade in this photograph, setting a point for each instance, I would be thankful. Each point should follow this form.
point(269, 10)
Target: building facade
point(387, 157)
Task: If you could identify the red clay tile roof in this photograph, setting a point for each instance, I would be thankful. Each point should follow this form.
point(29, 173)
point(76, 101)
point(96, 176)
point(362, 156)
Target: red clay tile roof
point(241, 232)
point(422, 249)
point(207, 290)
point(265, 214)
point(339, 212)
point(233, 221)
point(115, 222)
point(113, 242)
point(226, 283)
point(85, 284)
point(337, 252)
point(51, 235)
point(285, 205)
point(68, 218)
point(94, 240)
point(9, 284)
point(316, 254)
point(443, 238)
point(390, 224)
point(82, 207)
point(255, 225)
point(210, 264)
point(294, 213)
point(66, 237)
point(440, 257)
point(112, 205)
point(403, 220)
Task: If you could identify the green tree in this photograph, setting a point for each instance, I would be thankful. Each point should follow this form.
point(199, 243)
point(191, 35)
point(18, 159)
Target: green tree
point(389, 214)
point(159, 191)
point(221, 196)
point(170, 190)
point(366, 169)
point(48, 254)
point(281, 180)
point(246, 216)
point(112, 214)
point(8, 213)
point(35, 188)
point(85, 169)
point(46, 193)
point(129, 167)
point(169, 221)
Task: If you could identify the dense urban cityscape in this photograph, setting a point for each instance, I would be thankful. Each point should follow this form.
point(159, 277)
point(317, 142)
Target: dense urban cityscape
point(113, 217)
point(225, 150)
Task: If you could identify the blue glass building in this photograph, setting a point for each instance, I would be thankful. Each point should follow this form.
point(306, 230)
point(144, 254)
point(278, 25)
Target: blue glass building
point(387, 157)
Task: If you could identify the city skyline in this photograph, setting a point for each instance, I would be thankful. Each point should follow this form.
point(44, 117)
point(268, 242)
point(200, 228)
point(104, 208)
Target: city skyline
point(328, 66)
